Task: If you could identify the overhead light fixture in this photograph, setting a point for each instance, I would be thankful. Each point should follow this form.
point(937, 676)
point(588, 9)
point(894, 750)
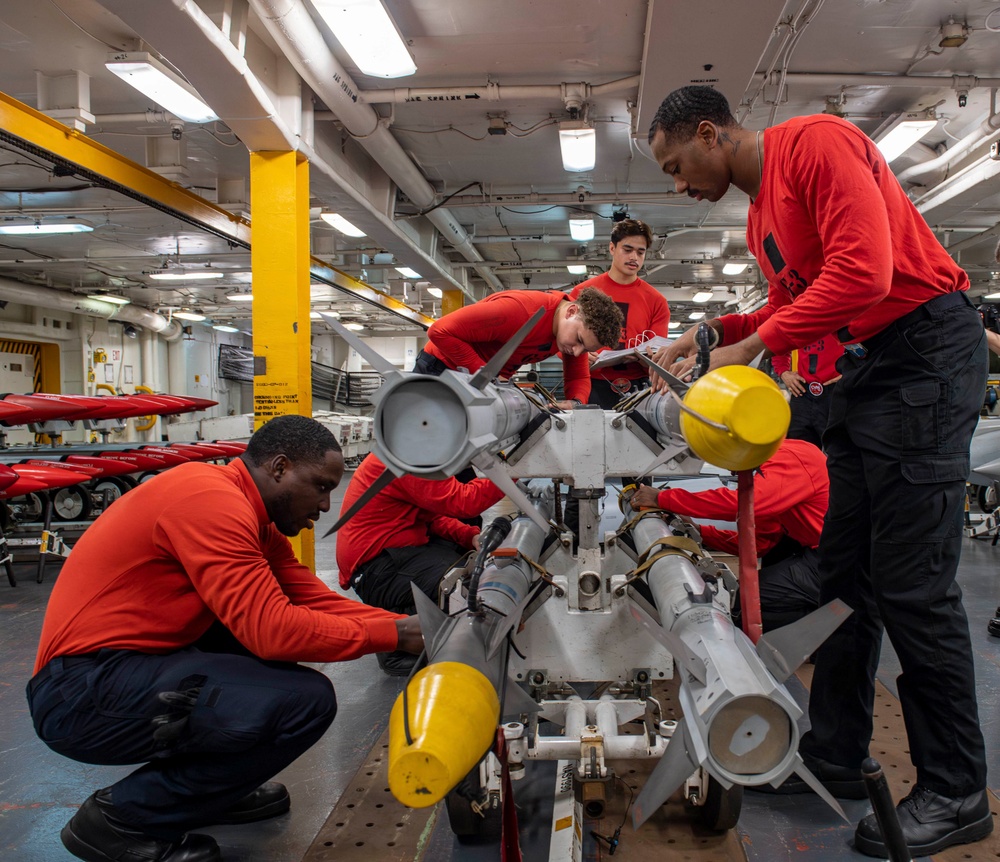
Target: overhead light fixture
point(702, 296)
point(581, 229)
point(152, 78)
point(184, 275)
point(406, 272)
point(992, 296)
point(222, 327)
point(239, 297)
point(39, 228)
point(335, 220)
point(735, 267)
point(435, 292)
point(578, 143)
point(129, 331)
point(355, 327)
point(109, 297)
point(674, 324)
point(696, 315)
point(189, 315)
point(367, 33)
point(898, 136)
point(577, 268)
point(953, 34)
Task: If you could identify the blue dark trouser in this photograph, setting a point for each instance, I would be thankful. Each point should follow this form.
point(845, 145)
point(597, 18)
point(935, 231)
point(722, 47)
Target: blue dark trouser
point(250, 719)
point(898, 456)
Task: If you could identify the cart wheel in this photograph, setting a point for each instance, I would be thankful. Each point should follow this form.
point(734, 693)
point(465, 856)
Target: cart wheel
point(114, 487)
point(469, 826)
point(71, 504)
point(722, 807)
point(27, 508)
point(986, 498)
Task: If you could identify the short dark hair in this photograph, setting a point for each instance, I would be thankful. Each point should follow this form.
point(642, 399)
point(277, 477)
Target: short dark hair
point(631, 227)
point(680, 113)
point(298, 438)
point(601, 315)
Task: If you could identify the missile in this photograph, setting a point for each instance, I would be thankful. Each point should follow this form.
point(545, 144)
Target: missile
point(739, 721)
point(445, 719)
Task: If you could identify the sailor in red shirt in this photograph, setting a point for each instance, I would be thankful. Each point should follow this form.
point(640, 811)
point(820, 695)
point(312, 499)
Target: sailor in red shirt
point(809, 373)
point(171, 639)
point(844, 250)
point(469, 337)
point(791, 492)
point(408, 533)
point(644, 308)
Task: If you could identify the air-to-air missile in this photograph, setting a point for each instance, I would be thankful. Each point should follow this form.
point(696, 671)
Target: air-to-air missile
point(739, 723)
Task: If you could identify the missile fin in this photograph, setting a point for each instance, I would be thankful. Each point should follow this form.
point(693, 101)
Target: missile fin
point(499, 634)
point(491, 466)
point(675, 383)
point(784, 649)
point(432, 618)
point(688, 660)
point(803, 772)
point(677, 763)
point(382, 365)
point(384, 478)
point(492, 368)
point(516, 701)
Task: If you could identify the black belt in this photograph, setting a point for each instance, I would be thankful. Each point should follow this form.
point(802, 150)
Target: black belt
point(68, 661)
point(925, 310)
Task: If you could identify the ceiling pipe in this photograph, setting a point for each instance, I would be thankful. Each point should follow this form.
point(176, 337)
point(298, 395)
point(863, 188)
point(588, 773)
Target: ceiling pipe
point(291, 26)
point(667, 197)
point(980, 135)
point(956, 82)
point(496, 93)
point(47, 297)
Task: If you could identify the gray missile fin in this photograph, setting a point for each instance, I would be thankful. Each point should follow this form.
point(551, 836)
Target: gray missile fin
point(674, 767)
point(784, 649)
point(382, 365)
point(499, 634)
point(684, 657)
point(432, 618)
point(491, 466)
point(384, 478)
point(516, 701)
point(492, 368)
point(803, 772)
point(675, 383)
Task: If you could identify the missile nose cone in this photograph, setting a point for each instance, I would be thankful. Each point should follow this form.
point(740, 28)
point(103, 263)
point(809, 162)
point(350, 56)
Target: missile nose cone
point(750, 406)
point(453, 715)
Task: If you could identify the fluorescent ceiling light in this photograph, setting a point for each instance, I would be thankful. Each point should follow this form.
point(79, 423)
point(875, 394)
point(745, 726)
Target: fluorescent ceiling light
point(703, 296)
point(674, 324)
point(734, 268)
point(581, 229)
point(696, 315)
point(577, 268)
point(435, 292)
point(109, 297)
point(903, 133)
point(39, 229)
point(992, 296)
point(578, 143)
point(367, 33)
point(152, 78)
point(184, 275)
point(337, 221)
point(407, 272)
point(188, 315)
point(354, 326)
point(239, 297)
point(222, 327)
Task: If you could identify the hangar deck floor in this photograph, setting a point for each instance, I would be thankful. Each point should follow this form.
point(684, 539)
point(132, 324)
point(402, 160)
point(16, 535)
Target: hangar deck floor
point(39, 790)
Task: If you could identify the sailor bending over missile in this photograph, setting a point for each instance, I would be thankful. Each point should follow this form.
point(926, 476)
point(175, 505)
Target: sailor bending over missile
point(409, 532)
point(791, 491)
point(171, 639)
point(469, 337)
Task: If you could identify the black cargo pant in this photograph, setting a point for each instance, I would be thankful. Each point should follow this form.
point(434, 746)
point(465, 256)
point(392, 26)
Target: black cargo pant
point(229, 723)
point(898, 456)
point(810, 415)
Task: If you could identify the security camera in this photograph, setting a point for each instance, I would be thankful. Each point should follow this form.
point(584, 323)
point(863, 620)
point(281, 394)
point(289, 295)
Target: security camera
point(176, 130)
point(963, 98)
point(995, 150)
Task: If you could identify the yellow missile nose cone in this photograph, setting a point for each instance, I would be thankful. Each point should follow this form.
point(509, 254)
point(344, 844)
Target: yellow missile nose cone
point(453, 715)
point(750, 406)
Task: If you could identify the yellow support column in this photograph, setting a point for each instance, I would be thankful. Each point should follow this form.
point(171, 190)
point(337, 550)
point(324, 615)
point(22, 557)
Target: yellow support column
point(451, 300)
point(279, 259)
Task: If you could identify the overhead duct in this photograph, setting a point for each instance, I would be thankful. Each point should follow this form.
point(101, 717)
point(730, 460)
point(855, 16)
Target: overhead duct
point(494, 92)
point(290, 25)
point(47, 297)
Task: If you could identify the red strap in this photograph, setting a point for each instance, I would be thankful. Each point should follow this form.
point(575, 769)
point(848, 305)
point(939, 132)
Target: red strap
point(747, 529)
point(510, 844)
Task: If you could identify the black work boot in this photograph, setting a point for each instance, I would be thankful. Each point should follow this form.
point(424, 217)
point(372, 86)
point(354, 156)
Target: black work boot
point(993, 626)
point(268, 800)
point(930, 822)
point(842, 781)
point(96, 834)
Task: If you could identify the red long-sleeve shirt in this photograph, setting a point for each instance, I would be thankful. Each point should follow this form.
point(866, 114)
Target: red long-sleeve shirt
point(469, 337)
point(645, 311)
point(406, 513)
point(816, 362)
point(191, 546)
point(791, 493)
point(837, 238)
